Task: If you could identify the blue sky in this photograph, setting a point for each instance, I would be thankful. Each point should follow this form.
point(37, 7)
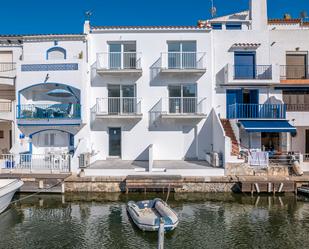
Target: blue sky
point(67, 16)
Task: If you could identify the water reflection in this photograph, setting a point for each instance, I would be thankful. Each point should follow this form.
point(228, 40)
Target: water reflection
point(206, 221)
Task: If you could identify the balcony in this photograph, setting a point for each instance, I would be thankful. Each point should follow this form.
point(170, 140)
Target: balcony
point(298, 113)
point(6, 110)
point(183, 62)
point(256, 111)
point(49, 114)
point(7, 73)
point(118, 108)
point(293, 74)
point(249, 75)
point(117, 63)
point(183, 108)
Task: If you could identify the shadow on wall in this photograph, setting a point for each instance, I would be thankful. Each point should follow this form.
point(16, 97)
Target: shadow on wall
point(159, 79)
point(205, 137)
point(104, 124)
point(143, 156)
point(220, 76)
point(102, 81)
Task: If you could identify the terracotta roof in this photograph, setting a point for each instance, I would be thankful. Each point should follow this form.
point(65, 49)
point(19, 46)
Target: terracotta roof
point(246, 45)
point(284, 21)
point(158, 27)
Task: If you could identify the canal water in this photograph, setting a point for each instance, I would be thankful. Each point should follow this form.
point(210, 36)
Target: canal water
point(206, 221)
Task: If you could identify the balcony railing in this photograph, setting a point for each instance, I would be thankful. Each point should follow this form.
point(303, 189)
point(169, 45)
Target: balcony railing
point(51, 111)
point(257, 72)
point(6, 106)
point(294, 72)
point(297, 107)
point(183, 105)
point(7, 66)
point(257, 111)
point(183, 60)
point(118, 106)
point(119, 61)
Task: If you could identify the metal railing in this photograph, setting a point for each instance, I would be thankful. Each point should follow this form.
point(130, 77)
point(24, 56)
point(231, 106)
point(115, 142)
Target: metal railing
point(49, 111)
point(183, 105)
point(118, 106)
point(119, 60)
point(7, 66)
point(306, 157)
point(6, 106)
point(252, 111)
point(183, 60)
point(297, 107)
point(257, 72)
point(294, 72)
point(36, 162)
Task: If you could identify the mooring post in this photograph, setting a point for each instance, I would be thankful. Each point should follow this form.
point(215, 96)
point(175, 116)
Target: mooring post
point(161, 234)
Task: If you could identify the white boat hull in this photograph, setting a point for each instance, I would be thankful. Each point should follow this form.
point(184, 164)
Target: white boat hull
point(147, 215)
point(7, 191)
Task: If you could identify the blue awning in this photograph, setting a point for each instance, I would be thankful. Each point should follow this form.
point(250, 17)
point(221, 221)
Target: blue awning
point(267, 126)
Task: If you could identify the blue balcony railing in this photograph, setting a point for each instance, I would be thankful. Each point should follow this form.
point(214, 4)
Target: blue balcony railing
point(50, 111)
point(256, 111)
point(257, 72)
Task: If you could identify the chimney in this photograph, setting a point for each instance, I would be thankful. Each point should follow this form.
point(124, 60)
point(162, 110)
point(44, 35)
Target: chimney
point(258, 14)
point(87, 27)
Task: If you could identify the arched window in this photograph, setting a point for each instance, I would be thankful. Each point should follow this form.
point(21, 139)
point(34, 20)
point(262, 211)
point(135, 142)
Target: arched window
point(56, 53)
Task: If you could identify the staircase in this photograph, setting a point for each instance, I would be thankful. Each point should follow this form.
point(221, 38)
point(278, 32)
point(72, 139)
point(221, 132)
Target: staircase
point(230, 133)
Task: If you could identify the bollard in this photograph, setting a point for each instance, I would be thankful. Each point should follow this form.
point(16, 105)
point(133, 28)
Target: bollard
point(161, 234)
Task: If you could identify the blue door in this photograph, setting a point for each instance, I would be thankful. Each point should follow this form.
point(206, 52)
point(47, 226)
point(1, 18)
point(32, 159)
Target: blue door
point(244, 65)
point(233, 97)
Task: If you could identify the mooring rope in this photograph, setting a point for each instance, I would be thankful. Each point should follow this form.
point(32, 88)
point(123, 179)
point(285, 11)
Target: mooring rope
point(36, 193)
point(168, 192)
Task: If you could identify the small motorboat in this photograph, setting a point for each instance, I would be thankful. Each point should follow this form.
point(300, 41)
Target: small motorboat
point(147, 214)
point(8, 187)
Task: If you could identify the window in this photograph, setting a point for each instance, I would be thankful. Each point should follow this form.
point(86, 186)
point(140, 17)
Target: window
point(182, 98)
point(122, 55)
point(1, 134)
point(233, 26)
point(244, 63)
point(121, 99)
point(216, 26)
point(56, 53)
point(296, 66)
point(182, 54)
point(297, 101)
point(49, 139)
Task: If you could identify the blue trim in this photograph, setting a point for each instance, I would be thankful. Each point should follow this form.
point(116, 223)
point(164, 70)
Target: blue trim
point(49, 67)
point(233, 26)
point(49, 124)
point(60, 49)
point(268, 126)
point(34, 133)
point(30, 144)
point(62, 84)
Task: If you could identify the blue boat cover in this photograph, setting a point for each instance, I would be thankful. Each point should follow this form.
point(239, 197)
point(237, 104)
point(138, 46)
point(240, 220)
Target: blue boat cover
point(267, 126)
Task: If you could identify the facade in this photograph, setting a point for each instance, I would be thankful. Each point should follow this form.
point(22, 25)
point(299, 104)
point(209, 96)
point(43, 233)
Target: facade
point(156, 93)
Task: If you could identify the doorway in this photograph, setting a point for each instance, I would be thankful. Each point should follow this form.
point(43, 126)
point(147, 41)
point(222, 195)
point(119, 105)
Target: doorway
point(114, 142)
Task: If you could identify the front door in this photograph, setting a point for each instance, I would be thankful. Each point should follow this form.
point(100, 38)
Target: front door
point(114, 142)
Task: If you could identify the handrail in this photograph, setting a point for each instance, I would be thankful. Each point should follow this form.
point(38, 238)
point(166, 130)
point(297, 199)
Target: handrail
point(183, 60)
point(294, 72)
point(118, 105)
point(7, 66)
point(49, 111)
point(257, 111)
point(254, 72)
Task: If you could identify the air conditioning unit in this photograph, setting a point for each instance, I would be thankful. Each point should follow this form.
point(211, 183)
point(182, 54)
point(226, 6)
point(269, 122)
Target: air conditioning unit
point(84, 160)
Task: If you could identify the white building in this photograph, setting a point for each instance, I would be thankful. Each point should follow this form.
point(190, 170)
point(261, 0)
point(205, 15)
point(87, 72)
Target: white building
point(157, 93)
